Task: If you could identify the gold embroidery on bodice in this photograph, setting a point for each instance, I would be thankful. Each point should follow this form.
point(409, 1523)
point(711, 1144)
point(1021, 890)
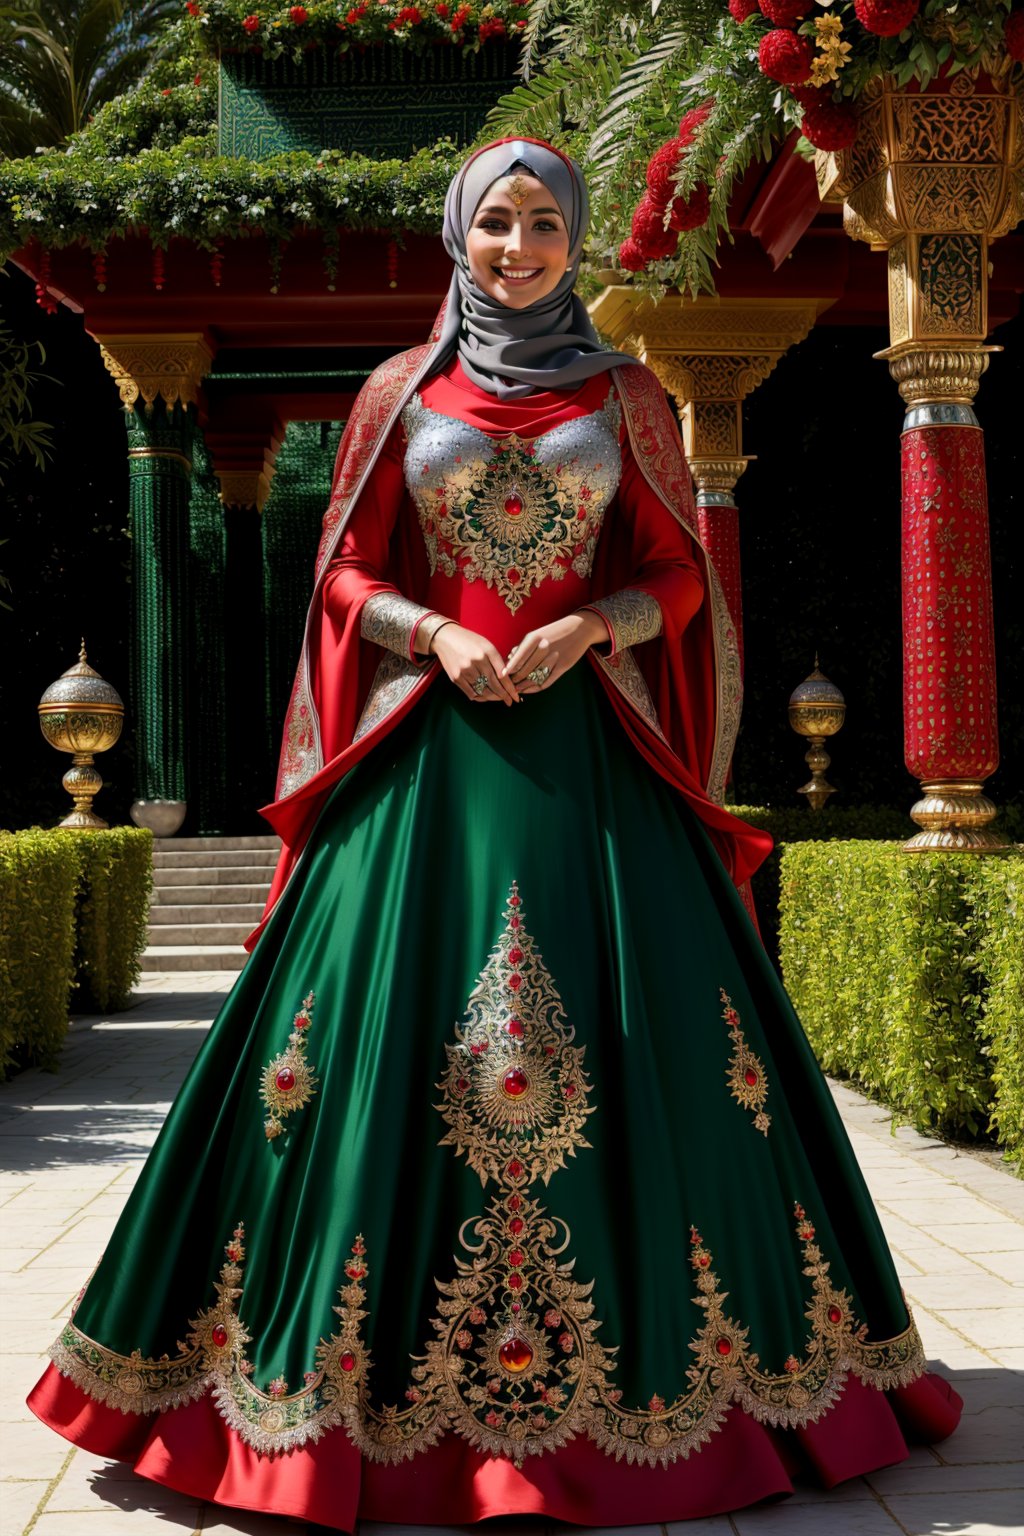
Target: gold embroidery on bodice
point(511, 511)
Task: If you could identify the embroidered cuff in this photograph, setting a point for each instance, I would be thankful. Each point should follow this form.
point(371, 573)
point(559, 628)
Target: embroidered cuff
point(391, 620)
point(631, 615)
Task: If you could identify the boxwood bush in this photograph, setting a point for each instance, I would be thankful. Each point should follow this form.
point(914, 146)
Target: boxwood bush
point(907, 971)
point(74, 909)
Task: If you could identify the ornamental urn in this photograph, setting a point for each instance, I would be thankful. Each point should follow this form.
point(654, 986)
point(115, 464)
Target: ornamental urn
point(81, 713)
point(817, 709)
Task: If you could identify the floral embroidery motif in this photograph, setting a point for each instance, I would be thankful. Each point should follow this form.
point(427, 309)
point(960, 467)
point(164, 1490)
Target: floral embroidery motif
point(514, 511)
point(745, 1073)
point(626, 676)
point(516, 1366)
point(288, 1082)
point(390, 620)
point(633, 615)
point(394, 680)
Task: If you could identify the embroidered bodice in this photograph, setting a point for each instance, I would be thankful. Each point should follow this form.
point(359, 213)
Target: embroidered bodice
point(511, 512)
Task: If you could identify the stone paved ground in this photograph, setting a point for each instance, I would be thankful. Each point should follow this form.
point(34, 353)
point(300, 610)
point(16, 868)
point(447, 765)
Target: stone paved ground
point(72, 1143)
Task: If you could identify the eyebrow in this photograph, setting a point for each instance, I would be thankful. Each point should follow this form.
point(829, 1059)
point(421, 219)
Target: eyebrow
point(492, 208)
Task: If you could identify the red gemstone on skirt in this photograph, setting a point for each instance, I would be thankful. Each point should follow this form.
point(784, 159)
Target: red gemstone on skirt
point(750, 1077)
point(515, 955)
point(285, 1079)
point(515, 1027)
point(515, 981)
point(513, 576)
point(462, 1084)
point(347, 1362)
point(569, 1090)
point(513, 922)
point(515, 1282)
point(513, 506)
point(515, 1082)
point(516, 1225)
point(724, 1346)
point(515, 1202)
point(514, 901)
point(515, 1258)
point(514, 1169)
point(515, 1355)
point(835, 1315)
point(219, 1335)
point(516, 1307)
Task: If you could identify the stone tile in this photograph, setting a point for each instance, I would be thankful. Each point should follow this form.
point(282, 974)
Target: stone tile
point(858, 1518)
point(943, 1345)
point(18, 1503)
point(938, 1479)
point(241, 1522)
point(990, 1513)
point(1012, 1359)
point(136, 1522)
point(717, 1526)
point(972, 1291)
point(1008, 1266)
point(935, 1259)
point(993, 1435)
point(34, 1449)
point(926, 1213)
point(990, 1389)
point(988, 1236)
point(90, 1483)
point(990, 1328)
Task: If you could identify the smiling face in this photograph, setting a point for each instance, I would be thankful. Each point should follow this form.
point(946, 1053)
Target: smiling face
point(518, 245)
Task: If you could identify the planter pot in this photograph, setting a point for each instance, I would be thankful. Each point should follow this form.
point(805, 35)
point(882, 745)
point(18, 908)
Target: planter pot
point(381, 101)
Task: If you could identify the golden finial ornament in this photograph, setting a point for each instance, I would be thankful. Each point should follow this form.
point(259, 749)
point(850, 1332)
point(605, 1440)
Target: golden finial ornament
point(81, 713)
point(817, 710)
point(518, 191)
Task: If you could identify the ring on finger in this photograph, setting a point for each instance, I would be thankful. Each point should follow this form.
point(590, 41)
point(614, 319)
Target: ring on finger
point(481, 684)
point(539, 675)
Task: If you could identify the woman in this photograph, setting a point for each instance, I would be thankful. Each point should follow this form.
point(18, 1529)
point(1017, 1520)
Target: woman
point(530, 1194)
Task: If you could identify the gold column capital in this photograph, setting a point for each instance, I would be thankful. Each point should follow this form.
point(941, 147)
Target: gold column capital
point(245, 487)
point(169, 364)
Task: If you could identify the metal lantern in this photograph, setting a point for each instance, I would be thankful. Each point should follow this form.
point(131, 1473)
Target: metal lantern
point(817, 710)
point(82, 714)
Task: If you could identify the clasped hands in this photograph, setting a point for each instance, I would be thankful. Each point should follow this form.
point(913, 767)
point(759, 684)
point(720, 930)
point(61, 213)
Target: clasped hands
point(467, 657)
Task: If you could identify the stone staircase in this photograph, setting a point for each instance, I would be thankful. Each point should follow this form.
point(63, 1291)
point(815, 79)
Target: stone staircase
point(208, 895)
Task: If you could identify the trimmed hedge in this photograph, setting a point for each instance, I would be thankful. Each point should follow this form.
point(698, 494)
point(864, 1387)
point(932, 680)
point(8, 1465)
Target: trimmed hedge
point(908, 973)
point(73, 912)
point(39, 874)
point(113, 914)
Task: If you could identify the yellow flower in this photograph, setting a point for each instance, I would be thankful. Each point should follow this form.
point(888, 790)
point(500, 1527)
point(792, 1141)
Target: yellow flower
point(828, 29)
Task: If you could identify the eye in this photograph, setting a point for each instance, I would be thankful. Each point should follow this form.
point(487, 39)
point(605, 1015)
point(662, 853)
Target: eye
point(546, 227)
point(492, 224)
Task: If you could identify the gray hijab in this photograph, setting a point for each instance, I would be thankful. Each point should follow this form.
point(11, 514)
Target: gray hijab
point(549, 345)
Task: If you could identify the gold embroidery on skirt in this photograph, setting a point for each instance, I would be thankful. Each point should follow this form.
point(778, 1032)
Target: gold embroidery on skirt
point(516, 1367)
point(745, 1073)
point(288, 1082)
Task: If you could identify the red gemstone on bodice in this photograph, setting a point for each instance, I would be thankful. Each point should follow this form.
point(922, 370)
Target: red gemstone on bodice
point(514, 1169)
point(515, 1355)
point(515, 955)
point(347, 1362)
point(513, 505)
point(835, 1315)
point(516, 1225)
point(515, 1082)
point(219, 1335)
point(285, 1079)
point(724, 1346)
point(515, 1258)
point(750, 1077)
point(515, 1027)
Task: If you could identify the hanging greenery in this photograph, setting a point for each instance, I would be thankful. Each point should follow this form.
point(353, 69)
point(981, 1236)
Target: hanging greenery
point(276, 29)
point(668, 102)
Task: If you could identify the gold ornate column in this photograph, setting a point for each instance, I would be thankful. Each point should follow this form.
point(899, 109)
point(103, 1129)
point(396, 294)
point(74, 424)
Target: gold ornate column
point(933, 177)
point(709, 353)
point(158, 378)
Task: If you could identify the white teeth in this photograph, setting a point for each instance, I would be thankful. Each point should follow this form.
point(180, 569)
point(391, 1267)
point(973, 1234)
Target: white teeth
point(524, 272)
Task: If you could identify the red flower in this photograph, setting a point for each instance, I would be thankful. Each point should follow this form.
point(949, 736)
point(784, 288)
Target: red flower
point(251, 23)
point(649, 232)
point(192, 8)
point(785, 57)
point(460, 18)
point(441, 10)
point(198, 80)
point(691, 212)
point(829, 124)
point(298, 15)
point(166, 91)
point(740, 10)
point(692, 120)
point(784, 13)
point(886, 18)
point(1013, 35)
point(494, 27)
point(631, 257)
point(661, 171)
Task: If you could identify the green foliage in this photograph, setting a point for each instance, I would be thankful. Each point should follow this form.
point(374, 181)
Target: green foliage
point(906, 972)
point(996, 930)
point(286, 29)
point(18, 432)
point(621, 75)
point(797, 824)
point(112, 916)
point(39, 874)
point(61, 59)
point(68, 899)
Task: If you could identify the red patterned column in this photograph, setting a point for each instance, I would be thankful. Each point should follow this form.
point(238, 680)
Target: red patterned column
point(719, 524)
point(951, 741)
